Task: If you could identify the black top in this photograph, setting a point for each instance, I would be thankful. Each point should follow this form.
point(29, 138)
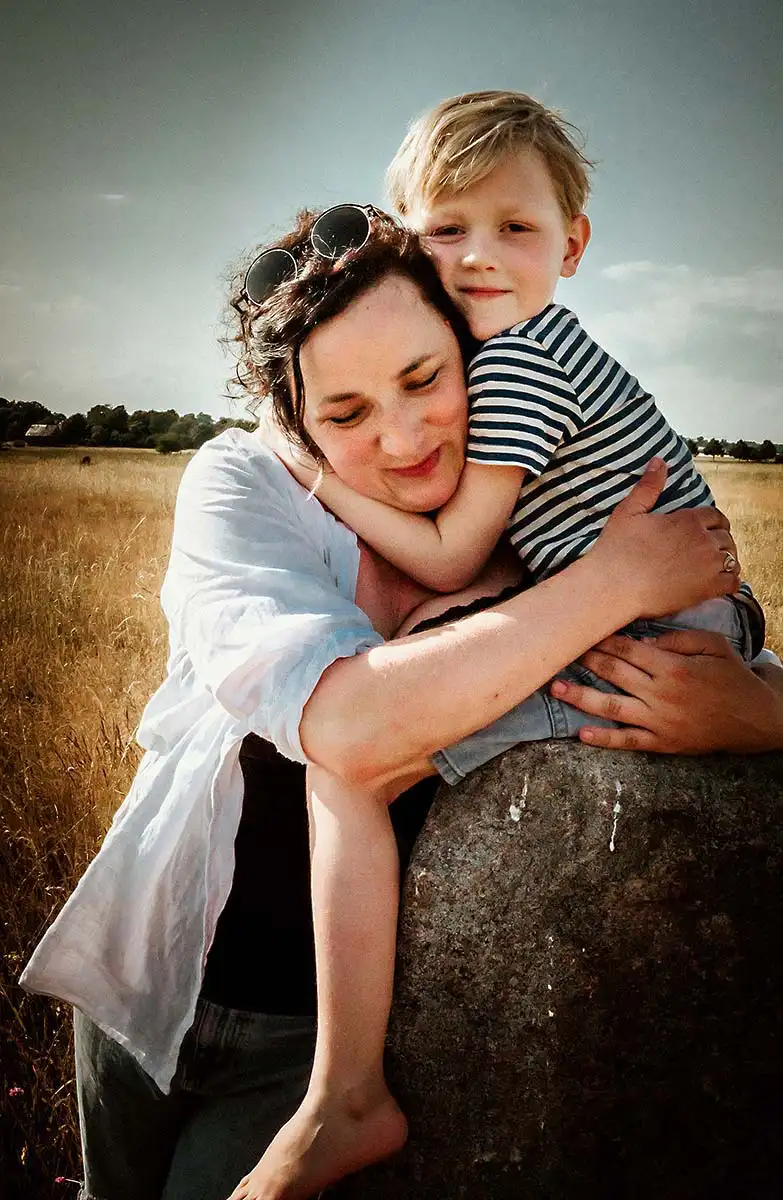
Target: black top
point(262, 958)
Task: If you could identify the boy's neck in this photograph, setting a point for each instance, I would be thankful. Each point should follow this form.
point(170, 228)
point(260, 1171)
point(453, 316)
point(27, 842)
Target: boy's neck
point(522, 320)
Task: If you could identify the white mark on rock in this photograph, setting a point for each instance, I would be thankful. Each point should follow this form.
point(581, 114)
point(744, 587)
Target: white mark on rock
point(616, 810)
point(550, 944)
point(515, 811)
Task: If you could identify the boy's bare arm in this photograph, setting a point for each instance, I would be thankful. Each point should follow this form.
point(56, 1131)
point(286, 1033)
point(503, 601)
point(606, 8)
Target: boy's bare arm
point(445, 552)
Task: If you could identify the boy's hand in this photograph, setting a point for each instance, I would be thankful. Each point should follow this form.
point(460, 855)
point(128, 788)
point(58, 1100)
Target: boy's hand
point(302, 465)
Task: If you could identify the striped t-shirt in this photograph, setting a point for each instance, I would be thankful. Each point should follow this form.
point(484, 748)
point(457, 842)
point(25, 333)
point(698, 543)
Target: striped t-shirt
point(546, 397)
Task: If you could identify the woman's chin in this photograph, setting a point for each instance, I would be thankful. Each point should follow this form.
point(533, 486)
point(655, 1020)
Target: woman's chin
point(424, 496)
point(426, 493)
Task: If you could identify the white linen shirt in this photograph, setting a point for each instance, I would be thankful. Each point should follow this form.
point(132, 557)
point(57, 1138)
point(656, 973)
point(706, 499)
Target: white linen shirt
point(259, 596)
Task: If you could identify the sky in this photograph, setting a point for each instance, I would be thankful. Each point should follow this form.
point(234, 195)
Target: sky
point(146, 146)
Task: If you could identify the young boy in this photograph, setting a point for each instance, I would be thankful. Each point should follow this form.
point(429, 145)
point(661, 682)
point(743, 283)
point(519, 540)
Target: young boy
point(559, 433)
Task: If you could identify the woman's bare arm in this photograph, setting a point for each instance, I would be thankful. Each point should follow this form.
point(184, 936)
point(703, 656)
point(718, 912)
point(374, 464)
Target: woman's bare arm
point(381, 715)
point(688, 692)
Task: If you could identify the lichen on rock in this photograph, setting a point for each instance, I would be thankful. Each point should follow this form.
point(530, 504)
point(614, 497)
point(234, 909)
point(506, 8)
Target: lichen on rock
point(588, 995)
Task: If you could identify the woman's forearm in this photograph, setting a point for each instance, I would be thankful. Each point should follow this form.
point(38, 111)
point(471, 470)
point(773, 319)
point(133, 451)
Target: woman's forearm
point(387, 711)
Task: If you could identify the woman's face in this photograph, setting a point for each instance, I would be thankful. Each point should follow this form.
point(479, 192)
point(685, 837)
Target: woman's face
point(385, 397)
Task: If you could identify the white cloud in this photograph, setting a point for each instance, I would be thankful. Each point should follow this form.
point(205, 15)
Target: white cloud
point(705, 344)
point(670, 304)
point(698, 402)
point(112, 196)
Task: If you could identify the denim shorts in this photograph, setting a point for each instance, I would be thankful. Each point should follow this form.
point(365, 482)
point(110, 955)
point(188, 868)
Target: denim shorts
point(240, 1076)
point(541, 716)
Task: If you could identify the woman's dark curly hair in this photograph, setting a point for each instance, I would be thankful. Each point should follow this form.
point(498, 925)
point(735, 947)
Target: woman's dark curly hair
point(270, 335)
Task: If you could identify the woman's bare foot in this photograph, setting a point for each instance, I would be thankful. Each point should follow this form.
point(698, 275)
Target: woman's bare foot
point(323, 1142)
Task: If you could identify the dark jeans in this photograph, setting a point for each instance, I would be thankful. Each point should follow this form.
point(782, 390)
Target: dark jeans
point(240, 1076)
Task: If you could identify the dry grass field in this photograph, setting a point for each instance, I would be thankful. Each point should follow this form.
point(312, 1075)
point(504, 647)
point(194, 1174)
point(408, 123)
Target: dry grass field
point(82, 647)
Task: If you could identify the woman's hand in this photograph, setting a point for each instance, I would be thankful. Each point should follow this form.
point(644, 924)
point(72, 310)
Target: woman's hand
point(688, 693)
point(665, 561)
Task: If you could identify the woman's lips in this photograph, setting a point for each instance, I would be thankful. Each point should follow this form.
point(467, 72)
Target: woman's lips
point(418, 469)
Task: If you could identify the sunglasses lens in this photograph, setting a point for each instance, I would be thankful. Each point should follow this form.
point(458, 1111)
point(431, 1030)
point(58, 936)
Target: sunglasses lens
point(343, 228)
point(270, 269)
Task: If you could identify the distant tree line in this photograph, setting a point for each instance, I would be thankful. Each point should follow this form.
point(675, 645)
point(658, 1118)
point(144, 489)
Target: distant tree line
point(765, 451)
point(167, 431)
point(103, 425)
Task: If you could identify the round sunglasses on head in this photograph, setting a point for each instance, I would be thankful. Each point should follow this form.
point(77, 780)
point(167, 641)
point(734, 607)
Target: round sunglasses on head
point(338, 230)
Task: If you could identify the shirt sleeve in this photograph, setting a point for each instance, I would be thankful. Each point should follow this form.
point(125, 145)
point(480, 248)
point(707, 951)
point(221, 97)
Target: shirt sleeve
point(259, 589)
point(522, 405)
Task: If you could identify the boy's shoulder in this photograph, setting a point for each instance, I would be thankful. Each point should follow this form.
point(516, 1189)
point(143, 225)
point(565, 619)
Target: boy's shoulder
point(546, 327)
point(545, 336)
point(553, 328)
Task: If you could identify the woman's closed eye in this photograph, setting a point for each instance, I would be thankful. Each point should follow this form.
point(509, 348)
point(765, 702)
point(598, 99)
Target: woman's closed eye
point(420, 385)
point(345, 418)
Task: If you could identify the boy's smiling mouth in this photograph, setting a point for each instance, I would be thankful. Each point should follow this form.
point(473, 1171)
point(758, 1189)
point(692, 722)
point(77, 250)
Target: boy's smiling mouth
point(483, 293)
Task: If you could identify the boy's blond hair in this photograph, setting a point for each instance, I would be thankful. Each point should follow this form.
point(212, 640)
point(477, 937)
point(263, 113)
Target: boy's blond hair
point(464, 138)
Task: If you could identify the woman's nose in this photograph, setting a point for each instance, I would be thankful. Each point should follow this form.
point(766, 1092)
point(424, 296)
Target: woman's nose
point(402, 439)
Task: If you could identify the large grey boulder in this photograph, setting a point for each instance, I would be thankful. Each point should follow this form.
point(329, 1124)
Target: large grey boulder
point(588, 998)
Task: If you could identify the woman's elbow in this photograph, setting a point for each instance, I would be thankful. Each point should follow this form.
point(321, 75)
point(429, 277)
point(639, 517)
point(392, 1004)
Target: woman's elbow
point(338, 751)
point(335, 731)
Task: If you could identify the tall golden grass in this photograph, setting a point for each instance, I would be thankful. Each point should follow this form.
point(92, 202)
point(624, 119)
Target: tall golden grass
point(82, 647)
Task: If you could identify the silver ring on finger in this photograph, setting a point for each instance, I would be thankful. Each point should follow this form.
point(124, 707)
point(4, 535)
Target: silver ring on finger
point(729, 562)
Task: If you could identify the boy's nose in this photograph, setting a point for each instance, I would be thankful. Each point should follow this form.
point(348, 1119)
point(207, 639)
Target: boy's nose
point(478, 253)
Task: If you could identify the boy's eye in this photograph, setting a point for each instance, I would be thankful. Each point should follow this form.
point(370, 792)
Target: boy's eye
point(445, 231)
point(517, 227)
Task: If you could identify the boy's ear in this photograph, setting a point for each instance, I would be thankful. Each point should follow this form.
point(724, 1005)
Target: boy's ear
point(576, 244)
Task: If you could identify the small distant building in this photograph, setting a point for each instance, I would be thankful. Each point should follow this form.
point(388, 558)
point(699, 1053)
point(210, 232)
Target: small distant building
point(41, 435)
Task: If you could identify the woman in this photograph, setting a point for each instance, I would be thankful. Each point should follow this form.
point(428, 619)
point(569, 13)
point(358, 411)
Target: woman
point(192, 971)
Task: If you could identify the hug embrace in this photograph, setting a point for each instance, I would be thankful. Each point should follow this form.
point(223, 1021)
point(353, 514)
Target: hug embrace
point(460, 525)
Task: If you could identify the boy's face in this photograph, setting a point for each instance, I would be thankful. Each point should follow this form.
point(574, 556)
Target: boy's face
point(501, 245)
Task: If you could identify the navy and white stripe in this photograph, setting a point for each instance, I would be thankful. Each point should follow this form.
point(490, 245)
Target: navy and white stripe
point(546, 397)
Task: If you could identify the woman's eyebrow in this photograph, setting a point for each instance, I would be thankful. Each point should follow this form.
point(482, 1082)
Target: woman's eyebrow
point(337, 398)
point(341, 397)
point(416, 364)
